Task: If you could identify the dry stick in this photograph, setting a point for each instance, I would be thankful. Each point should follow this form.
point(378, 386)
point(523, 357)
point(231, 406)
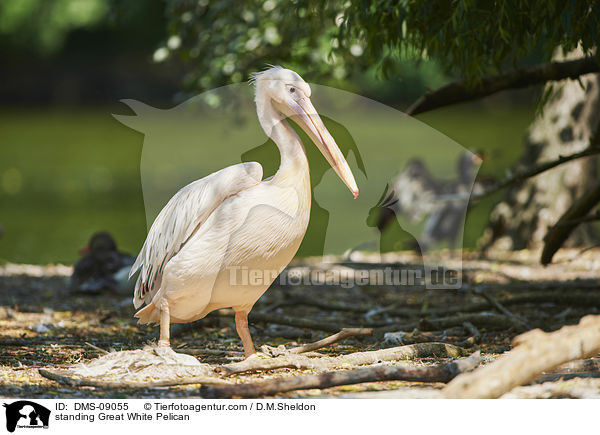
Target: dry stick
point(342, 335)
point(535, 352)
point(436, 373)
point(99, 349)
point(587, 368)
point(475, 335)
point(584, 365)
point(411, 351)
point(458, 92)
point(552, 377)
point(519, 323)
point(484, 320)
point(556, 235)
point(64, 377)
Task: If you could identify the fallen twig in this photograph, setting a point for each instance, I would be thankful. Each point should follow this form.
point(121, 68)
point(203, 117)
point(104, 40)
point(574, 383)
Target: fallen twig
point(483, 320)
point(435, 373)
point(552, 377)
point(99, 349)
point(475, 335)
point(342, 335)
point(535, 352)
point(519, 323)
point(411, 351)
point(64, 377)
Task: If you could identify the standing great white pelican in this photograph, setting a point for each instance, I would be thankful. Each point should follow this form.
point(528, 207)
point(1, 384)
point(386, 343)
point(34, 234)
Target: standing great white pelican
point(234, 220)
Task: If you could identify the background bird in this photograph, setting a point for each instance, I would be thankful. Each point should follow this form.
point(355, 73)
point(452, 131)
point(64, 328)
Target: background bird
point(232, 222)
point(102, 267)
point(417, 195)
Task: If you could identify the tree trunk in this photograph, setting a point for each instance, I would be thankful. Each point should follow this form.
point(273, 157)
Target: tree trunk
point(569, 118)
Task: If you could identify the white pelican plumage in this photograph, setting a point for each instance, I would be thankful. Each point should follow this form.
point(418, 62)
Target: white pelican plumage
point(234, 220)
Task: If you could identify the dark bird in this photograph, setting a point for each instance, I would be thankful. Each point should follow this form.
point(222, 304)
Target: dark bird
point(417, 195)
point(102, 267)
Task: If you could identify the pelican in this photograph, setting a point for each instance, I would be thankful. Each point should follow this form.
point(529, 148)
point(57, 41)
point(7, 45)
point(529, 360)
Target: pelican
point(216, 231)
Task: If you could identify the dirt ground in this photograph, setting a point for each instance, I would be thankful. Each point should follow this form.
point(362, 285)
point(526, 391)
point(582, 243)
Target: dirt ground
point(43, 325)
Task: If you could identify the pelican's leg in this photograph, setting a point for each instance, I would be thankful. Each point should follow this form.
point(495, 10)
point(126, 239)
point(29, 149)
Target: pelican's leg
point(165, 322)
point(241, 325)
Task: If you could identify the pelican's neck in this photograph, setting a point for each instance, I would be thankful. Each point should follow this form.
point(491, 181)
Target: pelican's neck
point(293, 169)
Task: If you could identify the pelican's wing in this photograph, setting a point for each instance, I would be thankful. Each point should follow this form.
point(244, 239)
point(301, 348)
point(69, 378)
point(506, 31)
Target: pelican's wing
point(181, 217)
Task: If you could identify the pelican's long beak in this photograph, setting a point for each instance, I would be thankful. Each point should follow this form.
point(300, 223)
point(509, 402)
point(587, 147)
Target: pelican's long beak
point(313, 126)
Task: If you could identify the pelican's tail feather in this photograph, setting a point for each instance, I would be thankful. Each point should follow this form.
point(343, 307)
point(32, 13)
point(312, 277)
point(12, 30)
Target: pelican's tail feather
point(149, 314)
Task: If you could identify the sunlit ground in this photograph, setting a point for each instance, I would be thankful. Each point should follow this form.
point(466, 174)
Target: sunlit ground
point(67, 173)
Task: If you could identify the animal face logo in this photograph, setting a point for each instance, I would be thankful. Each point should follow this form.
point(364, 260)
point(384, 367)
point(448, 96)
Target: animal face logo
point(26, 414)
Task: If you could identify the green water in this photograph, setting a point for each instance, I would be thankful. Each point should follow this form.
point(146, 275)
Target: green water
point(67, 173)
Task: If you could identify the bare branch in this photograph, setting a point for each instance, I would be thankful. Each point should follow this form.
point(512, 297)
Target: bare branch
point(435, 373)
point(411, 351)
point(483, 320)
point(522, 175)
point(66, 377)
point(458, 92)
point(99, 349)
point(475, 335)
point(534, 352)
point(519, 323)
point(327, 341)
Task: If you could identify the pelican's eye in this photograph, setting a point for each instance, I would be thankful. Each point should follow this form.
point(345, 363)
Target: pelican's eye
point(292, 90)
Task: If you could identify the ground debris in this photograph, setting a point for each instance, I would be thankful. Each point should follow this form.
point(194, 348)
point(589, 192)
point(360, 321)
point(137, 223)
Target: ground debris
point(546, 298)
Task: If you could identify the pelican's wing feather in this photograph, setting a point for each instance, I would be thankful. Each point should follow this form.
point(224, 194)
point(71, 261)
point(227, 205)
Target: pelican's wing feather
point(181, 217)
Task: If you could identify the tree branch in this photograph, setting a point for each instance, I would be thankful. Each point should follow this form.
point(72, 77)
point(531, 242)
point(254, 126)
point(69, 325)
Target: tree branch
point(66, 377)
point(534, 352)
point(458, 92)
point(342, 335)
point(556, 236)
point(522, 175)
point(411, 351)
point(519, 323)
point(434, 373)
